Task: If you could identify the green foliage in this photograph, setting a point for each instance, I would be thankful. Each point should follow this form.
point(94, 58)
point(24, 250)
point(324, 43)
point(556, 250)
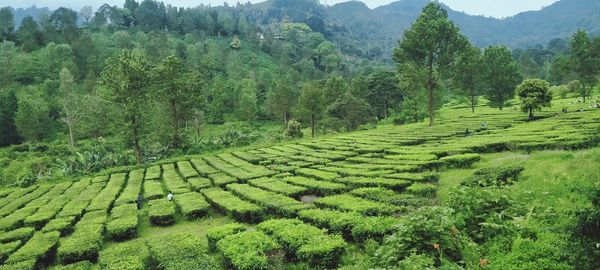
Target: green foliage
point(501, 75)
point(227, 202)
point(7, 249)
point(161, 212)
point(350, 112)
point(422, 189)
point(192, 205)
point(427, 49)
point(306, 242)
point(83, 244)
point(294, 129)
point(350, 203)
point(384, 93)
point(124, 223)
point(214, 235)
point(462, 160)
point(534, 95)
point(495, 176)
point(181, 251)
point(39, 248)
point(248, 250)
point(584, 61)
point(429, 231)
point(133, 255)
point(22, 234)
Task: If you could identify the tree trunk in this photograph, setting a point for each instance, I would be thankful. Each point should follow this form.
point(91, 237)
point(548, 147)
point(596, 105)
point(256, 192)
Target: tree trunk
point(285, 120)
point(473, 104)
point(385, 110)
point(430, 89)
point(176, 140)
point(530, 114)
point(136, 141)
point(71, 136)
point(312, 125)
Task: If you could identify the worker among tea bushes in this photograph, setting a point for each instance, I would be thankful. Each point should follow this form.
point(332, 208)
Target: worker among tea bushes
point(139, 201)
point(170, 196)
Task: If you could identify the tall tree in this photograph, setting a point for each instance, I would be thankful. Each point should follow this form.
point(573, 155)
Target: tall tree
point(247, 108)
point(177, 87)
point(383, 92)
point(86, 14)
point(428, 47)
point(7, 24)
point(351, 111)
point(501, 75)
point(282, 98)
point(534, 95)
point(70, 101)
point(311, 103)
point(64, 22)
point(32, 117)
point(585, 61)
point(8, 109)
point(467, 75)
point(127, 78)
point(29, 34)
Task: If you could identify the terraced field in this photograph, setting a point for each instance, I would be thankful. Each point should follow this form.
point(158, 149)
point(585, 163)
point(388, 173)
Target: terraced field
point(303, 202)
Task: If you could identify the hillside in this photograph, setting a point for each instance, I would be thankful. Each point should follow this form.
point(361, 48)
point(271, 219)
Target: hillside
point(347, 191)
point(384, 25)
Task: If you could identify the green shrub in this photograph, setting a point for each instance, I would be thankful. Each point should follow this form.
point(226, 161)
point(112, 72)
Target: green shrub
point(279, 186)
point(315, 186)
point(306, 242)
point(192, 205)
point(83, 265)
point(247, 250)
point(186, 169)
point(203, 168)
point(420, 233)
point(153, 190)
point(22, 234)
point(152, 173)
point(133, 188)
point(241, 210)
point(124, 223)
point(462, 160)
point(254, 159)
point(373, 228)
point(181, 251)
point(221, 179)
point(22, 265)
point(495, 176)
point(83, 244)
point(133, 255)
point(321, 175)
point(199, 183)
point(8, 248)
point(422, 189)
point(64, 225)
point(350, 203)
point(39, 249)
point(161, 212)
point(215, 234)
point(294, 129)
point(395, 184)
point(275, 202)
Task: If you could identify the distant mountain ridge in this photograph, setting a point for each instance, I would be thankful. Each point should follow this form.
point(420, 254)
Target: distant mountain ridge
point(386, 24)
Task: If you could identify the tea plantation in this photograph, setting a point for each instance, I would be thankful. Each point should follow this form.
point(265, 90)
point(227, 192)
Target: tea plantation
point(301, 205)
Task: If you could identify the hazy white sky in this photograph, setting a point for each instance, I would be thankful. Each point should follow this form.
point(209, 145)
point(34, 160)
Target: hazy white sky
point(494, 8)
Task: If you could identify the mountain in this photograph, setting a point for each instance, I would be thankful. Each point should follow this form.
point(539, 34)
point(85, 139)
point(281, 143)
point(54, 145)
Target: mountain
point(384, 25)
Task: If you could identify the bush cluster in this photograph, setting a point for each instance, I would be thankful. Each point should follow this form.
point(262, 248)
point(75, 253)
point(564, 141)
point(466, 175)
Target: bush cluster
point(86, 240)
point(215, 234)
point(316, 186)
point(461, 160)
point(38, 249)
point(192, 205)
point(124, 222)
point(347, 202)
point(181, 251)
point(247, 250)
point(274, 202)
point(241, 210)
point(132, 255)
point(306, 242)
point(161, 212)
point(276, 185)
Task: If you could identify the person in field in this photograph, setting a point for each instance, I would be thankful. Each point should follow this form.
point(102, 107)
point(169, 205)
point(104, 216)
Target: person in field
point(139, 201)
point(170, 196)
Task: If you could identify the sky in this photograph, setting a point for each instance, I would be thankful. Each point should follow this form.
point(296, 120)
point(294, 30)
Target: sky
point(490, 8)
